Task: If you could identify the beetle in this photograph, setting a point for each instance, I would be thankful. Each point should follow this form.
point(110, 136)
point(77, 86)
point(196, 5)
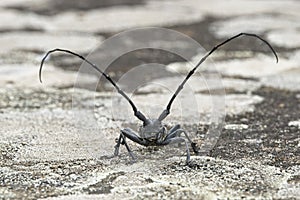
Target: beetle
point(153, 132)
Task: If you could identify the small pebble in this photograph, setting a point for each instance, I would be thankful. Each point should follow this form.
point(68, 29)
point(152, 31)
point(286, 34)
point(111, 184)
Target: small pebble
point(295, 123)
point(236, 126)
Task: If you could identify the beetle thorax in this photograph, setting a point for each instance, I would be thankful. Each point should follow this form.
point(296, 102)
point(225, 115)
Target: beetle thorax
point(153, 131)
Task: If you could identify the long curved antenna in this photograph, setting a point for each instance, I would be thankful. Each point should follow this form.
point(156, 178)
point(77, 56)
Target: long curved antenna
point(137, 113)
point(166, 112)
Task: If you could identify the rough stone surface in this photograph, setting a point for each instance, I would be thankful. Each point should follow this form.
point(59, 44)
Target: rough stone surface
point(279, 38)
point(241, 110)
point(258, 24)
point(27, 75)
point(45, 41)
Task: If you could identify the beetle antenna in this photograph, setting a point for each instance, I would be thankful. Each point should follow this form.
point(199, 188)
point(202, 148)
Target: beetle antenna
point(137, 113)
point(166, 112)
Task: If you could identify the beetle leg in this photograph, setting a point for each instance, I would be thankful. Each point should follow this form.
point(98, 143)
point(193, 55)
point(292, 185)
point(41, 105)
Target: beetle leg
point(130, 134)
point(175, 132)
point(122, 140)
point(172, 133)
point(117, 146)
point(179, 140)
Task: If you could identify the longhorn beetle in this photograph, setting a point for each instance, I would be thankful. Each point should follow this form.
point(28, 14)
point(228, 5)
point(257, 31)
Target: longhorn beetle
point(153, 132)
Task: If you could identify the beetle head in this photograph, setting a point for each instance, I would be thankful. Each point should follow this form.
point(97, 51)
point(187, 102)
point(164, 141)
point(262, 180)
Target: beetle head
point(154, 130)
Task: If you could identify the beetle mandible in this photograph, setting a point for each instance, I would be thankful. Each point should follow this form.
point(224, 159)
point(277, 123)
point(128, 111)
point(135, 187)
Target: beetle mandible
point(153, 132)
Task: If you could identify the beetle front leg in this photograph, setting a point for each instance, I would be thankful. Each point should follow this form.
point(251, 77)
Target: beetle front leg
point(179, 140)
point(174, 129)
point(128, 133)
point(122, 140)
point(117, 146)
point(175, 132)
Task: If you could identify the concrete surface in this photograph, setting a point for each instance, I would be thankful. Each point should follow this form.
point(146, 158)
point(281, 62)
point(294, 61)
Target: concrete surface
point(56, 141)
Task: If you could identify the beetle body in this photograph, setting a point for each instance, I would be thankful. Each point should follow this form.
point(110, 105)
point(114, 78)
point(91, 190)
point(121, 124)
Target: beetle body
point(153, 132)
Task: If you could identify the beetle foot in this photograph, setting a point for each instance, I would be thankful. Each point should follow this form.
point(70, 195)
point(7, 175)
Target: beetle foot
point(191, 164)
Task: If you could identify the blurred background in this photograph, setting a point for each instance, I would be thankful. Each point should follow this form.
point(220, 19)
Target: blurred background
point(29, 28)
